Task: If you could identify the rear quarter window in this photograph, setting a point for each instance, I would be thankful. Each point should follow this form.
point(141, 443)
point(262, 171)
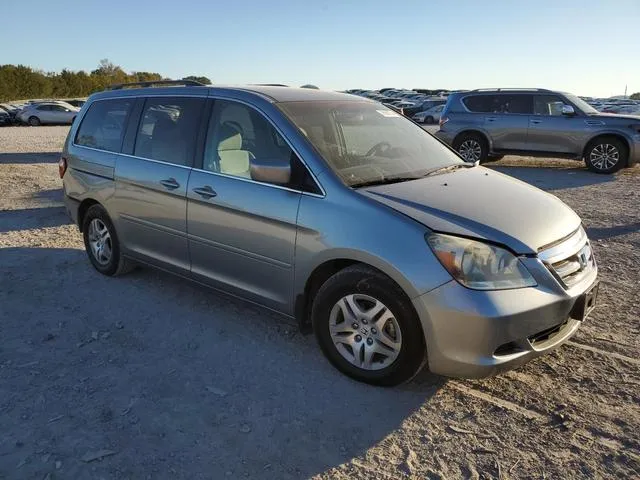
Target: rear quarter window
point(104, 124)
point(479, 103)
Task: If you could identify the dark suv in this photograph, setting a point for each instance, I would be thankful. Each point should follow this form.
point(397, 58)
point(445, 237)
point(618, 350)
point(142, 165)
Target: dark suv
point(482, 124)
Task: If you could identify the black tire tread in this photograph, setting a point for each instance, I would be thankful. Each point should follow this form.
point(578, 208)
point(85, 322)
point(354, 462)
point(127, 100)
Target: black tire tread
point(413, 353)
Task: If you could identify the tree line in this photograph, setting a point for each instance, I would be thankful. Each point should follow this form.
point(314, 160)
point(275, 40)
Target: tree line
point(18, 82)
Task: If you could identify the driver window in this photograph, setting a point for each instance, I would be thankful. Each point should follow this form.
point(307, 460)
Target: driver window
point(238, 135)
point(548, 105)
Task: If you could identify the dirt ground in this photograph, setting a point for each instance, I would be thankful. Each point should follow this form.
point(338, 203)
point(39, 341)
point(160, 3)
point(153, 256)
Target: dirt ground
point(151, 376)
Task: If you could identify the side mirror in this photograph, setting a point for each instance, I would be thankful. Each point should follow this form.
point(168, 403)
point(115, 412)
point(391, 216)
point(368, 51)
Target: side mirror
point(270, 171)
point(568, 110)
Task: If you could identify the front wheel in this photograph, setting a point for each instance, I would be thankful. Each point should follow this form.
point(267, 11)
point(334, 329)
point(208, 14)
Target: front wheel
point(429, 120)
point(367, 327)
point(34, 121)
point(471, 147)
point(606, 155)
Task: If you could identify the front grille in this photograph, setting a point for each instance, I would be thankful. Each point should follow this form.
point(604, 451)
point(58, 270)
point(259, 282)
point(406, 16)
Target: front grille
point(570, 260)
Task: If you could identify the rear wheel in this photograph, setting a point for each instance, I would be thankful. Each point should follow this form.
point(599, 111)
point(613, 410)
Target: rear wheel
point(34, 121)
point(606, 155)
point(101, 243)
point(367, 327)
point(472, 147)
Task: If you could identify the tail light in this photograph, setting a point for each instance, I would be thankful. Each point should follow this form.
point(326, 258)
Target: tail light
point(442, 121)
point(62, 166)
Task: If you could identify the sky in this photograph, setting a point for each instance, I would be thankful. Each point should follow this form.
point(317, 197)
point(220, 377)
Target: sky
point(587, 47)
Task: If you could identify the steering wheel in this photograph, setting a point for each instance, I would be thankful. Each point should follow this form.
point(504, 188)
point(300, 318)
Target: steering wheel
point(379, 148)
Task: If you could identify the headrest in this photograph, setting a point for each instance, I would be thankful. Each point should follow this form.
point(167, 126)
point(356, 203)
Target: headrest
point(230, 138)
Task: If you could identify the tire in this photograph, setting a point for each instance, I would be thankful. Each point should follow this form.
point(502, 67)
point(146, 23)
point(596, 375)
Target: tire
point(429, 120)
point(113, 264)
point(34, 121)
point(606, 155)
point(472, 147)
point(398, 325)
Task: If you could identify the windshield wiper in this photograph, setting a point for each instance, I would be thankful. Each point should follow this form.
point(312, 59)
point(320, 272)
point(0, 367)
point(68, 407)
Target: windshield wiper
point(383, 181)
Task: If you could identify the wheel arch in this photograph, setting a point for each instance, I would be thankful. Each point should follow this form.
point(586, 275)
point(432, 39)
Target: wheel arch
point(474, 131)
point(327, 268)
point(83, 207)
point(616, 135)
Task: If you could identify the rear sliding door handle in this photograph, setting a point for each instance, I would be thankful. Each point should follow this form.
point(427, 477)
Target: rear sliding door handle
point(170, 183)
point(205, 192)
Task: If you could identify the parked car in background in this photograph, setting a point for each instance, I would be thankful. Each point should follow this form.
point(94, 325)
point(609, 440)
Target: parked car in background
point(429, 116)
point(482, 123)
point(338, 212)
point(76, 103)
point(8, 114)
point(426, 104)
point(5, 118)
point(48, 113)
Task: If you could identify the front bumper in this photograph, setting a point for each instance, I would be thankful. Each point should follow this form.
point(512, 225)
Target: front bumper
point(634, 152)
point(475, 334)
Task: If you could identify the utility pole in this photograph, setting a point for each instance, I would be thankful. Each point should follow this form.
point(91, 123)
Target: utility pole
point(625, 92)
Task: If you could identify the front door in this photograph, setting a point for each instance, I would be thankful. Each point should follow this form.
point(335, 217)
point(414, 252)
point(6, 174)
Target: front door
point(549, 130)
point(151, 182)
point(242, 232)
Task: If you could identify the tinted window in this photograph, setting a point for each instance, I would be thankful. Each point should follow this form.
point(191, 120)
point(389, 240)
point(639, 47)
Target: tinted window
point(103, 125)
point(504, 103)
point(479, 103)
point(548, 105)
point(44, 108)
point(168, 129)
point(238, 135)
point(59, 108)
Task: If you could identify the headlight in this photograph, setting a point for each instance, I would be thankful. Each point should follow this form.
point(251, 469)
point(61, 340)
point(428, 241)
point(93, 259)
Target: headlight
point(479, 265)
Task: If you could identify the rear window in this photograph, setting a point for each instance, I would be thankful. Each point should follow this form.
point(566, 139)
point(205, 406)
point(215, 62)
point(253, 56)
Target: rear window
point(504, 103)
point(168, 129)
point(104, 124)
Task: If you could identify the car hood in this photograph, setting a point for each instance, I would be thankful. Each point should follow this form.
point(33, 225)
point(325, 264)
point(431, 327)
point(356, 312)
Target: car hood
point(481, 203)
point(614, 116)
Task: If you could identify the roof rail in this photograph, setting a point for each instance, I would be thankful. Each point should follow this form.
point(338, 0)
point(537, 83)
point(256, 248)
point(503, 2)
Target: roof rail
point(270, 85)
point(163, 83)
point(511, 90)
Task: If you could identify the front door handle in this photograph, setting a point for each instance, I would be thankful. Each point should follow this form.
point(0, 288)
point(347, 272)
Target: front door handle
point(206, 192)
point(491, 119)
point(170, 183)
point(536, 122)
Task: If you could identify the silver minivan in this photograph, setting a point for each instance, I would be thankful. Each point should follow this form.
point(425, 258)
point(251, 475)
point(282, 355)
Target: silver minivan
point(336, 211)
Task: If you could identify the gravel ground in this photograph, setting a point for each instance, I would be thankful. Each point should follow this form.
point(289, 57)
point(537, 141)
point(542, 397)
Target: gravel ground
point(151, 376)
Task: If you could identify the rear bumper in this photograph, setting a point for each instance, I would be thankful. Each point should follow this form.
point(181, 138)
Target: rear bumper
point(446, 137)
point(476, 334)
point(72, 207)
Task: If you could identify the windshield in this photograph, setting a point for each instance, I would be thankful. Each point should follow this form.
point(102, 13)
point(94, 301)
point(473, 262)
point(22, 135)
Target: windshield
point(367, 143)
point(581, 104)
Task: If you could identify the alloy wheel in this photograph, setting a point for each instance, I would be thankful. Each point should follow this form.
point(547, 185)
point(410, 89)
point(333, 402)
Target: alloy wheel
point(100, 241)
point(365, 332)
point(470, 150)
point(604, 156)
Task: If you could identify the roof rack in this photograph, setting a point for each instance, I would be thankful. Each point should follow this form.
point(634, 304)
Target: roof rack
point(163, 83)
point(511, 90)
point(270, 85)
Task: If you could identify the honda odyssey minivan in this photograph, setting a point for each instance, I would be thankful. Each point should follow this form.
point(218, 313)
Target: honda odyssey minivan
point(336, 211)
